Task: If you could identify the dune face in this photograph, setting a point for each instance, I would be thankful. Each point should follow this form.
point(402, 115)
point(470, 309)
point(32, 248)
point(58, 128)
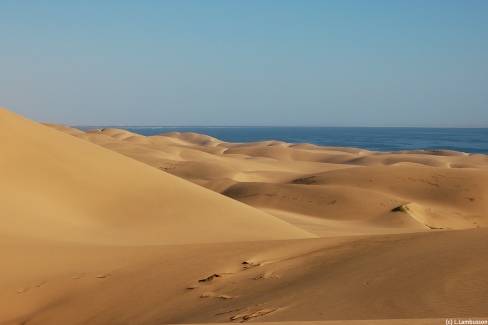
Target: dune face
point(111, 227)
point(61, 188)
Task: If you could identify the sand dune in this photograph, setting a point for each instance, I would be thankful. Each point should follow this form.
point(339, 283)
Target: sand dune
point(58, 187)
point(94, 229)
point(326, 183)
point(403, 276)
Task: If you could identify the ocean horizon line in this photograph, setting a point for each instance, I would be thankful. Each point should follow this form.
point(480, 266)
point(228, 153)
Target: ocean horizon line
point(269, 126)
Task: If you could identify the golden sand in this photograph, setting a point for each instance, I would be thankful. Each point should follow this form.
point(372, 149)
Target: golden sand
point(111, 227)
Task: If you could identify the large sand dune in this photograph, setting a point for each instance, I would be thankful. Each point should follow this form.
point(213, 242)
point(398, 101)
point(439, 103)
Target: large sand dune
point(94, 229)
point(58, 187)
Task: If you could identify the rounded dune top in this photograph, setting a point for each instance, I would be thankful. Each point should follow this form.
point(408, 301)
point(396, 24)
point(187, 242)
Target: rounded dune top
point(193, 138)
point(58, 187)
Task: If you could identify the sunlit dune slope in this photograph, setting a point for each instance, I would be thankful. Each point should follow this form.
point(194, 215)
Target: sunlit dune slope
point(58, 187)
point(438, 274)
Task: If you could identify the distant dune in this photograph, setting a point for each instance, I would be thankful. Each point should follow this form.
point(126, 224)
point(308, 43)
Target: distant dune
point(111, 227)
point(324, 190)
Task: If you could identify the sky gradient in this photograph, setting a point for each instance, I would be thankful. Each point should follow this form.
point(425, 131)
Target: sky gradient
point(266, 62)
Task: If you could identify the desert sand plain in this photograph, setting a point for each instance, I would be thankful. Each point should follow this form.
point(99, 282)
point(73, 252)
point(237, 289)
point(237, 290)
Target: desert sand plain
point(110, 227)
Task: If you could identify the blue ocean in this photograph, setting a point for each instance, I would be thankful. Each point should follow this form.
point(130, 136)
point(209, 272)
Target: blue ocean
point(468, 140)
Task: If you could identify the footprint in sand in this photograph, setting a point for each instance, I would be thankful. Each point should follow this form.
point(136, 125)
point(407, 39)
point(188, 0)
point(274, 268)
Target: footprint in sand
point(25, 289)
point(249, 316)
point(103, 276)
point(208, 280)
point(213, 276)
point(212, 294)
point(40, 284)
point(206, 295)
point(267, 275)
point(249, 265)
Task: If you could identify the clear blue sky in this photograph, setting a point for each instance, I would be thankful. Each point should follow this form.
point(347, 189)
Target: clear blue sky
point(230, 62)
